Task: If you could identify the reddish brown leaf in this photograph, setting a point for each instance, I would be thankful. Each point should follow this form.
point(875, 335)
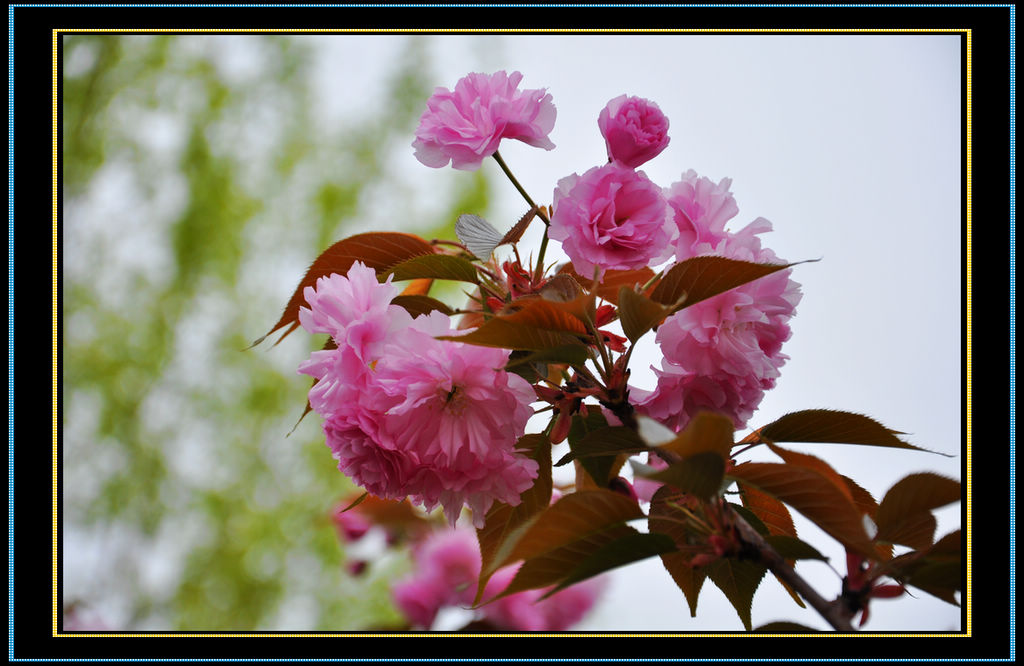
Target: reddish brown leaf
point(502, 519)
point(813, 495)
point(664, 519)
point(572, 518)
point(499, 332)
point(378, 250)
point(831, 426)
point(612, 281)
point(519, 228)
point(817, 464)
point(638, 313)
point(770, 511)
point(904, 515)
point(706, 432)
point(703, 277)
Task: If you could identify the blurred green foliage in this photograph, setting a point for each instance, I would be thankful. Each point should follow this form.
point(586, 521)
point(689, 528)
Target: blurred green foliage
point(196, 192)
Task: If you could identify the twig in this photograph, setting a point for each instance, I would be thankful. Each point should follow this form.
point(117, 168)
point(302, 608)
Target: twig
point(830, 610)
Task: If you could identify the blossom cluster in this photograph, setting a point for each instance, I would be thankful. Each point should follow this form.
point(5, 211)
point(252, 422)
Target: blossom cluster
point(445, 573)
point(406, 414)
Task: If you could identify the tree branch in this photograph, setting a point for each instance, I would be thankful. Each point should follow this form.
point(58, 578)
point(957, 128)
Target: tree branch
point(832, 611)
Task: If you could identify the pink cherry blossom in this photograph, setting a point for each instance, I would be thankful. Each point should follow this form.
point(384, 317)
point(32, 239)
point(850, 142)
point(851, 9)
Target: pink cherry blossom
point(634, 129)
point(611, 217)
point(419, 600)
point(720, 354)
point(466, 125)
point(406, 414)
point(525, 611)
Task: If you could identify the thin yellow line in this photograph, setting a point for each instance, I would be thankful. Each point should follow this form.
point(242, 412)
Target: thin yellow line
point(967, 589)
point(54, 110)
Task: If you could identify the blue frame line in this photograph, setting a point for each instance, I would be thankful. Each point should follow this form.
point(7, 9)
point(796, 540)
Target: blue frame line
point(10, 330)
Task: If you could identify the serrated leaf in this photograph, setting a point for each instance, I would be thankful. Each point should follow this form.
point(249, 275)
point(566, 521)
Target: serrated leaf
point(792, 548)
point(664, 519)
point(700, 475)
point(611, 440)
point(612, 281)
point(813, 495)
point(705, 432)
point(639, 314)
point(785, 628)
point(588, 421)
point(519, 228)
point(739, 580)
point(699, 278)
point(751, 519)
point(419, 287)
point(817, 464)
point(416, 305)
point(832, 426)
point(378, 250)
point(573, 518)
point(553, 565)
point(502, 519)
point(632, 547)
point(499, 332)
point(904, 514)
point(574, 355)
point(435, 266)
point(776, 519)
point(772, 512)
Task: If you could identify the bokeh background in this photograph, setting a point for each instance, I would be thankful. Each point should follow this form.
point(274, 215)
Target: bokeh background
point(203, 173)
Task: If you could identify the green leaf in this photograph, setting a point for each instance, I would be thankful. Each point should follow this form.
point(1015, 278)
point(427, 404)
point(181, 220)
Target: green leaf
point(588, 422)
point(611, 440)
point(696, 279)
point(437, 266)
point(785, 628)
point(632, 547)
point(700, 475)
point(751, 519)
point(574, 355)
point(832, 426)
point(378, 250)
point(813, 495)
point(416, 305)
point(502, 520)
point(791, 548)
point(638, 313)
point(904, 514)
point(738, 579)
point(663, 518)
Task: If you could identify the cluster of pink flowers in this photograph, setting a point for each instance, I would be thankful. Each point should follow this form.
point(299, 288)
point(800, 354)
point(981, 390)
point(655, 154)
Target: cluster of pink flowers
point(406, 414)
point(720, 354)
point(613, 217)
point(466, 125)
point(445, 574)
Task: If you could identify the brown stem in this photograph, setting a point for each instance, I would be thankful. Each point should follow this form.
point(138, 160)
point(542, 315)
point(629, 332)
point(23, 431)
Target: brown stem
point(832, 611)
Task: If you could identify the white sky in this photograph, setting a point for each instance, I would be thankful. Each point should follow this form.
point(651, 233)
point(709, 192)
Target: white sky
point(850, 146)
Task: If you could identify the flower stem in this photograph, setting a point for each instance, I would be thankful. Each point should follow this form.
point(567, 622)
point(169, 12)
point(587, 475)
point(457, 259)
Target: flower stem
point(539, 270)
